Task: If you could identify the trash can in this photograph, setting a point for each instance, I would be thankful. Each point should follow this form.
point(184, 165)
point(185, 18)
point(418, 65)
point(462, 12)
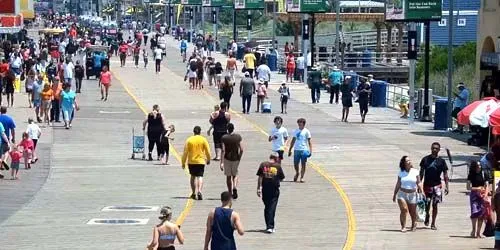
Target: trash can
point(272, 61)
point(241, 51)
point(379, 93)
point(441, 114)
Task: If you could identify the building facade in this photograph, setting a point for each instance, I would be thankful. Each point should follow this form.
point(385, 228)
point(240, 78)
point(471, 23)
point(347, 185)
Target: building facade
point(465, 23)
point(488, 42)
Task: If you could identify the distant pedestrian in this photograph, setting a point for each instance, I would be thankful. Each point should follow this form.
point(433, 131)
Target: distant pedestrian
point(268, 187)
point(300, 67)
point(315, 84)
point(264, 73)
point(226, 90)
point(36, 96)
point(123, 53)
point(250, 60)
point(284, 96)
point(431, 169)
point(79, 74)
point(137, 53)
point(196, 155)
point(69, 71)
point(166, 137)
point(145, 57)
point(231, 66)
point(247, 89)
point(461, 101)
point(105, 82)
point(363, 90)
point(302, 145)
point(232, 151)
point(477, 184)
point(278, 137)
point(346, 90)
point(34, 132)
point(28, 147)
point(158, 57)
point(219, 120)
point(221, 223)
point(68, 105)
point(9, 81)
point(261, 95)
point(15, 161)
point(165, 233)
point(290, 67)
point(155, 127)
point(336, 78)
point(56, 103)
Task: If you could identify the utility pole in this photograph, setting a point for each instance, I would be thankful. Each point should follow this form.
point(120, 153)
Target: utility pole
point(305, 39)
point(274, 25)
point(450, 63)
point(412, 56)
point(249, 25)
point(202, 20)
point(426, 108)
point(337, 33)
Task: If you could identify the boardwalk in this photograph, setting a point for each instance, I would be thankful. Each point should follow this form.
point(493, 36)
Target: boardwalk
point(349, 183)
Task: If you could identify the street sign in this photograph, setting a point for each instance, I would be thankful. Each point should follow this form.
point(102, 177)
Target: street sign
point(214, 17)
point(305, 28)
point(413, 10)
point(191, 2)
point(217, 3)
point(249, 4)
point(307, 6)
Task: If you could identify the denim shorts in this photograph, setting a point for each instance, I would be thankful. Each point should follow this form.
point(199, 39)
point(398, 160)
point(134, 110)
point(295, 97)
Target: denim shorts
point(300, 156)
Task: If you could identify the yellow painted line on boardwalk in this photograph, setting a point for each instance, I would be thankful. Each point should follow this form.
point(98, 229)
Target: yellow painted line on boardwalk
point(351, 219)
point(189, 203)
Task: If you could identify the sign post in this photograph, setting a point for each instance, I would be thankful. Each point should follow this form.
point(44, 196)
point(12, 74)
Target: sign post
point(418, 11)
point(215, 5)
point(308, 7)
point(247, 5)
point(412, 57)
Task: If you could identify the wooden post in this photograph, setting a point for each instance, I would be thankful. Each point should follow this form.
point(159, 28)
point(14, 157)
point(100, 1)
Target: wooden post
point(388, 44)
point(378, 49)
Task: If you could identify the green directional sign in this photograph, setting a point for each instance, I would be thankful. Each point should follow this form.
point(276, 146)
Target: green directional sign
point(413, 10)
point(190, 2)
point(217, 3)
point(249, 4)
point(307, 6)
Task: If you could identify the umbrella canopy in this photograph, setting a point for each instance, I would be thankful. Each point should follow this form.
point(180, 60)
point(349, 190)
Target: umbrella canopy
point(495, 122)
point(463, 117)
point(480, 116)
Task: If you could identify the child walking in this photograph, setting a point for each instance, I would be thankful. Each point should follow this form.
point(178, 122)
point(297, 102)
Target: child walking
point(165, 139)
point(15, 157)
point(284, 95)
point(28, 148)
point(34, 133)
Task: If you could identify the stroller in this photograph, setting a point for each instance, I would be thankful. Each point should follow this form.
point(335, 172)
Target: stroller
point(138, 145)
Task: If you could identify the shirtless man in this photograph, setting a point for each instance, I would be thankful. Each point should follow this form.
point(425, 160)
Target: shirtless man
point(231, 66)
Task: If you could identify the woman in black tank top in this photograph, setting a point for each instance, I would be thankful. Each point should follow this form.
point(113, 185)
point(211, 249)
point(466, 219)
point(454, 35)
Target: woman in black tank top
point(219, 123)
point(156, 126)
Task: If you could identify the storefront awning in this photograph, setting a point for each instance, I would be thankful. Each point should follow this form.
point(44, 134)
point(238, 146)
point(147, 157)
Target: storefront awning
point(490, 61)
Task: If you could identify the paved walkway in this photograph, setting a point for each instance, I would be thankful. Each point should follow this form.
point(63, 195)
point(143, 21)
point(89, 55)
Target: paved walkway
point(346, 202)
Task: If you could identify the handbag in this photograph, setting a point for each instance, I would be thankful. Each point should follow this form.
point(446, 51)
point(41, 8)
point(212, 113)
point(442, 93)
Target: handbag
point(421, 208)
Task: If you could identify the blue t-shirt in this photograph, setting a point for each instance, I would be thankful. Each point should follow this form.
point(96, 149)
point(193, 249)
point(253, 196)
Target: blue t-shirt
point(67, 99)
point(7, 123)
point(2, 130)
point(336, 77)
point(301, 139)
point(462, 99)
point(37, 90)
point(97, 60)
point(183, 44)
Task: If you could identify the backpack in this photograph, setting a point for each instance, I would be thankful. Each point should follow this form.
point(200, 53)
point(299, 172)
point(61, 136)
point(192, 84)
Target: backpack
point(192, 66)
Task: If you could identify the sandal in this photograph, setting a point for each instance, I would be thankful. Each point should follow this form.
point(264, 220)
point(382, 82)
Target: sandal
point(433, 227)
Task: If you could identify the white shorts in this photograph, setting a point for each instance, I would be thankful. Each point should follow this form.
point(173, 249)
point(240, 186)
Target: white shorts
point(411, 198)
point(192, 74)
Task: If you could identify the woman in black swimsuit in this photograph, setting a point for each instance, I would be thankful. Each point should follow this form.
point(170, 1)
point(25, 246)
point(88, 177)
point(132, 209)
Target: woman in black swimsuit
point(156, 126)
point(219, 120)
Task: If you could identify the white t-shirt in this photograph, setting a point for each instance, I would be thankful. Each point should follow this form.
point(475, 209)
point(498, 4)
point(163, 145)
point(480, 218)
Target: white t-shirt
point(300, 62)
point(234, 47)
point(33, 131)
point(68, 70)
point(279, 137)
point(263, 72)
point(158, 52)
point(301, 139)
point(409, 179)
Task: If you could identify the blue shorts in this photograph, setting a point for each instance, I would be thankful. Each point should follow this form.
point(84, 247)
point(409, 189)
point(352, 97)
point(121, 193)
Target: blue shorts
point(300, 156)
point(14, 165)
point(37, 103)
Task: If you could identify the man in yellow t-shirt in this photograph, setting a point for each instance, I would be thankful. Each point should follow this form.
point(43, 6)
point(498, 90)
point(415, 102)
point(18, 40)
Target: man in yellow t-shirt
point(249, 60)
point(196, 154)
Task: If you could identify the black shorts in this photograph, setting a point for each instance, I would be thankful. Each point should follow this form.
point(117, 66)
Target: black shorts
point(199, 75)
point(196, 170)
point(363, 105)
point(284, 99)
point(280, 154)
point(35, 141)
point(167, 248)
point(347, 102)
point(455, 112)
point(218, 139)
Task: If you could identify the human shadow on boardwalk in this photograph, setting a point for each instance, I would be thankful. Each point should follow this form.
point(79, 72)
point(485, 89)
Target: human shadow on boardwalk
point(256, 231)
point(187, 197)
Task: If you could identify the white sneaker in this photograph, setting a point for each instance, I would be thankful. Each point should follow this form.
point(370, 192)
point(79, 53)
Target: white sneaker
point(270, 231)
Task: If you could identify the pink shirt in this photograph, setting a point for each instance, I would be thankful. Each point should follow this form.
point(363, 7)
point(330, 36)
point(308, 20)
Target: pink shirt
point(106, 77)
point(16, 156)
point(27, 144)
point(261, 90)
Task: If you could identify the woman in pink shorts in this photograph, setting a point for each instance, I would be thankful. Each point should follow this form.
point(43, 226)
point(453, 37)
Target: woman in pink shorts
point(105, 82)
